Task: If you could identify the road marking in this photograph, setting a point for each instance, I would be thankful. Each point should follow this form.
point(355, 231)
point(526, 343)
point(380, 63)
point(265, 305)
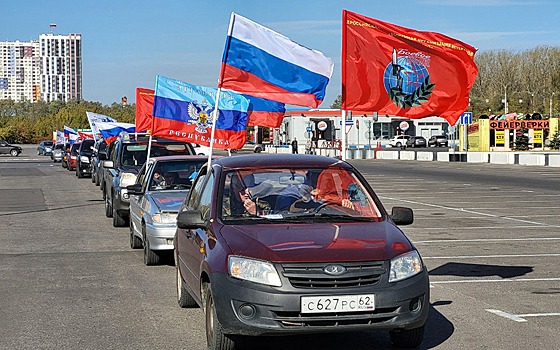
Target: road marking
point(487, 240)
point(476, 212)
point(490, 256)
point(498, 280)
point(521, 318)
point(506, 315)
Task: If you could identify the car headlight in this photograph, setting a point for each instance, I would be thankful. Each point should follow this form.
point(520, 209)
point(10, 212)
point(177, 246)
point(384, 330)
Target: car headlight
point(127, 179)
point(84, 159)
point(405, 266)
point(165, 218)
point(254, 270)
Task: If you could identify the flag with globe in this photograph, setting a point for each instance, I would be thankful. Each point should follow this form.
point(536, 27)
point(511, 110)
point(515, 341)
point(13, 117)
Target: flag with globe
point(407, 82)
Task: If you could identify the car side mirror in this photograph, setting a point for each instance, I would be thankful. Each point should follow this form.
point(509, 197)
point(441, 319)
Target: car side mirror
point(108, 164)
point(402, 216)
point(190, 219)
point(135, 189)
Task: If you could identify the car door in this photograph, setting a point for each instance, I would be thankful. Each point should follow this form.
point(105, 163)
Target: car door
point(188, 241)
point(138, 202)
point(4, 149)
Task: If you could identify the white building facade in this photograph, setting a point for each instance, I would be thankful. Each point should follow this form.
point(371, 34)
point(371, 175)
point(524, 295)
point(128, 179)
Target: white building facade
point(49, 69)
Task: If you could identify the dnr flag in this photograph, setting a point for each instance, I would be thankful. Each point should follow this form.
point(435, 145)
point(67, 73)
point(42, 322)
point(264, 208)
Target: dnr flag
point(184, 112)
point(404, 72)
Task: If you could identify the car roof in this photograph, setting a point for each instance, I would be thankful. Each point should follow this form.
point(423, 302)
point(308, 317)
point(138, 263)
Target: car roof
point(278, 161)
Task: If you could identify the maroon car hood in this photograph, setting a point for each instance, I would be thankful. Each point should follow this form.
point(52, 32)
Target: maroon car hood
point(317, 242)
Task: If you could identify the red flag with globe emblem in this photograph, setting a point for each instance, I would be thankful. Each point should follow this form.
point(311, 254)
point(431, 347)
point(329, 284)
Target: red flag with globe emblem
point(404, 72)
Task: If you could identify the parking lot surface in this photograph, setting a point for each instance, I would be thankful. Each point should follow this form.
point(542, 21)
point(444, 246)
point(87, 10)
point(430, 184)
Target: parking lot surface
point(489, 235)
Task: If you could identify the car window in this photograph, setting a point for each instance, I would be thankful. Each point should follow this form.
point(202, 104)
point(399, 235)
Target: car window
point(279, 193)
point(195, 192)
point(205, 204)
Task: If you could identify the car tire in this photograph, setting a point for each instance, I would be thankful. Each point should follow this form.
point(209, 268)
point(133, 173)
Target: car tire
point(135, 242)
point(398, 144)
point(108, 206)
point(408, 338)
point(184, 298)
point(118, 219)
point(14, 153)
point(215, 337)
point(150, 257)
point(79, 173)
point(258, 149)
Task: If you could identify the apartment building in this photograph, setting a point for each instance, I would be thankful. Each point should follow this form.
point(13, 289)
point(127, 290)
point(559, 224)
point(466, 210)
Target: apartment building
point(48, 69)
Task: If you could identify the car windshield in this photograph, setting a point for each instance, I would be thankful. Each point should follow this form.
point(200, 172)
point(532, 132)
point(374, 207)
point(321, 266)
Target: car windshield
point(135, 154)
point(296, 194)
point(175, 175)
point(48, 143)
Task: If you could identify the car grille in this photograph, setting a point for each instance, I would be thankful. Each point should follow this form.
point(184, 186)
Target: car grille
point(296, 319)
point(311, 275)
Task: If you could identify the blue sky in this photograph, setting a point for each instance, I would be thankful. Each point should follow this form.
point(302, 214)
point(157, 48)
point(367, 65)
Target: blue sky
point(127, 43)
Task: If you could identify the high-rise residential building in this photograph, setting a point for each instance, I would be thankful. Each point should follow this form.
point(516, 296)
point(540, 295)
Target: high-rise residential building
point(49, 69)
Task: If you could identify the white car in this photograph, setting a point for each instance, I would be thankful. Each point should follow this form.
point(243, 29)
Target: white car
point(399, 140)
point(201, 150)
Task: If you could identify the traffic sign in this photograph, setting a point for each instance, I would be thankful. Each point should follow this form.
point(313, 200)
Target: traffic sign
point(308, 129)
point(349, 122)
point(466, 118)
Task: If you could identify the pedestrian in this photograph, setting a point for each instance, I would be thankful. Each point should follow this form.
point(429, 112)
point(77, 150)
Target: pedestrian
point(294, 146)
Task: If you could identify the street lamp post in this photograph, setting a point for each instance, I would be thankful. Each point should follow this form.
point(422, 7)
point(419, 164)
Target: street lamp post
point(551, 96)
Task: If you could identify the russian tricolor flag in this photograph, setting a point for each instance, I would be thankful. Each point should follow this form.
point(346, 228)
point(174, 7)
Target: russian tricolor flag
point(260, 62)
point(263, 112)
point(111, 130)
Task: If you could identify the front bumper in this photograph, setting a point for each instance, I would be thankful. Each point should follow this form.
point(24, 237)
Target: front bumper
point(248, 308)
point(160, 237)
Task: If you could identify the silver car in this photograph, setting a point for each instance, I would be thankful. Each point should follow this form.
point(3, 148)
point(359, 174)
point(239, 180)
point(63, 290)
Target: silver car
point(161, 187)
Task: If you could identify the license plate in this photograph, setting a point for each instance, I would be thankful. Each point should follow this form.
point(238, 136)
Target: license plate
point(339, 303)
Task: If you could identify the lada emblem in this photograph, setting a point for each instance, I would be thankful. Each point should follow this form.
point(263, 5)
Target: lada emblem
point(334, 269)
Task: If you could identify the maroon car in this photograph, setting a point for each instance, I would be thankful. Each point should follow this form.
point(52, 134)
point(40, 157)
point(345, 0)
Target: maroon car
point(73, 156)
point(273, 244)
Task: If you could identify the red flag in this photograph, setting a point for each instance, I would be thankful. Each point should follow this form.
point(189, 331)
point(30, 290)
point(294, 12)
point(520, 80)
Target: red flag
point(144, 107)
point(404, 72)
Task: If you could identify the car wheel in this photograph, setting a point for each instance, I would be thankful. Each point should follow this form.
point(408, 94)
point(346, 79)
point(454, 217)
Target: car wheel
point(258, 149)
point(79, 173)
point(135, 242)
point(184, 298)
point(398, 144)
point(108, 206)
point(215, 337)
point(118, 219)
point(14, 153)
point(408, 338)
point(150, 257)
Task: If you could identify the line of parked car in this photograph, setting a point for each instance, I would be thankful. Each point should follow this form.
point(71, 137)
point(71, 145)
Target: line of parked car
point(265, 244)
point(405, 141)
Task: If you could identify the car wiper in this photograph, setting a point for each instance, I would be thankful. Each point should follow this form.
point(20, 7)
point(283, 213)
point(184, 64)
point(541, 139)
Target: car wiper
point(329, 217)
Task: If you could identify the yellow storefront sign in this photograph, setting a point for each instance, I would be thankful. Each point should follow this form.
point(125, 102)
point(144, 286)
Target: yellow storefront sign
point(500, 137)
point(537, 136)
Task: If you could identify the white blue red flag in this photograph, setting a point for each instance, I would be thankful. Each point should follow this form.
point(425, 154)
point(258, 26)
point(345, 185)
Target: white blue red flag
point(261, 62)
point(111, 130)
point(184, 112)
point(70, 134)
point(94, 118)
point(263, 112)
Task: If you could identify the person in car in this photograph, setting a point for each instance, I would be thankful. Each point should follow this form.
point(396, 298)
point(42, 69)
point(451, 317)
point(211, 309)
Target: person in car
point(158, 181)
point(311, 200)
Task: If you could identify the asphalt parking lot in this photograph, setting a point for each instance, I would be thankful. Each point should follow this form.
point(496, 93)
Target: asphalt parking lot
point(489, 235)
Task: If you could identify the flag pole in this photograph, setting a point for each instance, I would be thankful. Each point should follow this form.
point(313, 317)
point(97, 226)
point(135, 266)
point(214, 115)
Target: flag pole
point(216, 113)
point(218, 93)
point(343, 135)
